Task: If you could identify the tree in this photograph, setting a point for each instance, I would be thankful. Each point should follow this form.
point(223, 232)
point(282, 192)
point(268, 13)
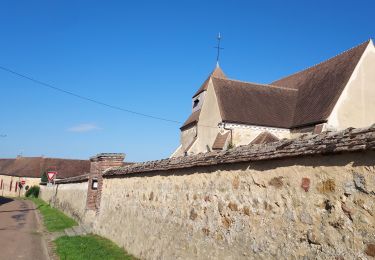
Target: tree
point(44, 178)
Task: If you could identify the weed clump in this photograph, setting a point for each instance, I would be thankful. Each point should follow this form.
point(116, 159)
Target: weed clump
point(33, 192)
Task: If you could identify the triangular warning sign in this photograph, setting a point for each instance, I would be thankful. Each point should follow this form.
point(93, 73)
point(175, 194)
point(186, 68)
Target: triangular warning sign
point(51, 175)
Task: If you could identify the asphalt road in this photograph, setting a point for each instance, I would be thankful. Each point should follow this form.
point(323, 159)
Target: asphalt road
point(20, 231)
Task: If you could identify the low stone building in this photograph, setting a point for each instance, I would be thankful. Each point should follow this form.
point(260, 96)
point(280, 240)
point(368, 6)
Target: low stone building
point(332, 95)
point(30, 169)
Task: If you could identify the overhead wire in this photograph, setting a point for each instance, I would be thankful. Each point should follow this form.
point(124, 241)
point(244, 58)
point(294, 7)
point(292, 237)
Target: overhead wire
point(39, 82)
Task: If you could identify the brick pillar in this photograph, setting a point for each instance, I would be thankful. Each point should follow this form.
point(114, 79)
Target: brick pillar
point(99, 164)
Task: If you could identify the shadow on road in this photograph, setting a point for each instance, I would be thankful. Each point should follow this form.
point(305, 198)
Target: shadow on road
point(4, 200)
point(24, 208)
point(18, 210)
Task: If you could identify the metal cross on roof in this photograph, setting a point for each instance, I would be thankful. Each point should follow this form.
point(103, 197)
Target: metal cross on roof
point(218, 49)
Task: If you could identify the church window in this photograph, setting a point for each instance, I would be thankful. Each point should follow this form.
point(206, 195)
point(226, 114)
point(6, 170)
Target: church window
point(196, 102)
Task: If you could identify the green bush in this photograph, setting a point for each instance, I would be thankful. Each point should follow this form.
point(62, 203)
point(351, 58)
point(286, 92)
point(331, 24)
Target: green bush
point(33, 192)
point(44, 178)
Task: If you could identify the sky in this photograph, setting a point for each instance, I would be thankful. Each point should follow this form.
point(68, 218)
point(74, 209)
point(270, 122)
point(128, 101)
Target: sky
point(149, 57)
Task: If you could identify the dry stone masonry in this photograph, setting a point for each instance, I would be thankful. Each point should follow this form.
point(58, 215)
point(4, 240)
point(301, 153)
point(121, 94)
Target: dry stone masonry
point(307, 198)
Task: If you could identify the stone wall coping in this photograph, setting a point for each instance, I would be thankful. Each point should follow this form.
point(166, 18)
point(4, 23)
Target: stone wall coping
point(348, 140)
point(79, 178)
point(108, 156)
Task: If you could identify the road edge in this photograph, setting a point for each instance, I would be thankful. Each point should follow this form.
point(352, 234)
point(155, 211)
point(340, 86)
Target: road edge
point(41, 228)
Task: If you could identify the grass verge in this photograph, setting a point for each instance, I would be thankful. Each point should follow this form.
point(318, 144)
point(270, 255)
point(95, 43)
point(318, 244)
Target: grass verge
point(53, 219)
point(89, 247)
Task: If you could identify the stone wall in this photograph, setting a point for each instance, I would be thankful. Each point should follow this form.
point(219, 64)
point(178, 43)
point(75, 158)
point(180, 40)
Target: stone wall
point(75, 196)
point(69, 197)
point(99, 164)
point(47, 193)
point(315, 207)
point(307, 198)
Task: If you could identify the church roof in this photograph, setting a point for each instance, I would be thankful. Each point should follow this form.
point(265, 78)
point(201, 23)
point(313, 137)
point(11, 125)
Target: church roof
point(193, 118)
point(216, 73)
point(304, 98)
point(220, 141)
point(254, 104)
point(320, 86)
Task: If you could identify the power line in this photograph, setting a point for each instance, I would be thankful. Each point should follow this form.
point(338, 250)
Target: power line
point(92, 100)
point(86, 98)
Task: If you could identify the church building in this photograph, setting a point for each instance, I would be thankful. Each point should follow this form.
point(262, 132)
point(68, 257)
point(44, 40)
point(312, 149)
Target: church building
point(332, 95)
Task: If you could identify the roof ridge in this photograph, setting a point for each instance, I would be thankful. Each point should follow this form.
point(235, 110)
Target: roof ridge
point(67, 159)
point(259, 84)
point(41, 157)
point(322, 62)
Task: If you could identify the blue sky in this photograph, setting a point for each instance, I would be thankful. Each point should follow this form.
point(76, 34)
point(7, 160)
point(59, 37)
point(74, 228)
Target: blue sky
point(148, 56)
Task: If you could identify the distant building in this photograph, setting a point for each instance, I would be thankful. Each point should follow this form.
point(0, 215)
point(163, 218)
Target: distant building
point(335, 94)
point(30, 169)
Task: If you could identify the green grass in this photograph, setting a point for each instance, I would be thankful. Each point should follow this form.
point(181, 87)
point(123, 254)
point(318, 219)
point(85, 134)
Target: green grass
point(89, 247)
point(78, 247)
point(53, 219)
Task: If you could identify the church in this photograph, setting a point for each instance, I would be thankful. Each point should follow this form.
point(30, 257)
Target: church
point(333, 95)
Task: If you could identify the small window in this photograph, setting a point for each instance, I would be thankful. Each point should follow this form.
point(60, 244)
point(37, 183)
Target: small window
point(196, 102)
point(94, 184)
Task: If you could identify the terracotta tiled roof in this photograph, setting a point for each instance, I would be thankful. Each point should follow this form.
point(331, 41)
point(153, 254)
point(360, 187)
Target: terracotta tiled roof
point(193, 119)
point(22, 166)
point(35, 166)
point(220, 141)
point(327, 143)
point(265, 138)
point(320, 86)
point(255, 104)
point(217, 73)
point(304, 98)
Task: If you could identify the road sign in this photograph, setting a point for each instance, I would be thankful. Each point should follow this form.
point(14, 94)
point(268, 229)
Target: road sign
point(51, 175)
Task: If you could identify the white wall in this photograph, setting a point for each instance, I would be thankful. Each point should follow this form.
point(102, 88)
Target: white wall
point(208, 122)
point(10, 191)
point(356, 105)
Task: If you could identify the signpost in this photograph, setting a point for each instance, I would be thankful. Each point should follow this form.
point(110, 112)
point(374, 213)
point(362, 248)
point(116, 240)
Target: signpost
point(51, 175)
point(20, 184)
